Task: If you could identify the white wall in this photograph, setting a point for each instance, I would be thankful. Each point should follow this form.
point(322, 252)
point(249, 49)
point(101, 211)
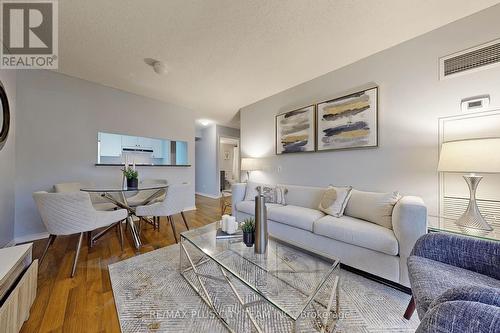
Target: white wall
point(411, 98)
point(56, 138)
point(7, 164)
point(207, 155)
point(206, 166)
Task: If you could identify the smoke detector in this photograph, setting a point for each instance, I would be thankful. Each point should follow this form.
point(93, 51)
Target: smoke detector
point(158, 66)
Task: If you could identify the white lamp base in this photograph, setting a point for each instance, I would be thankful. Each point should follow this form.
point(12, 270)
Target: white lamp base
point(472, 217)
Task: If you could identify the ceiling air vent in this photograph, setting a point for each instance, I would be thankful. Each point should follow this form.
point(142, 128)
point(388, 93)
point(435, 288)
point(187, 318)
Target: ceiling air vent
point(471, 60)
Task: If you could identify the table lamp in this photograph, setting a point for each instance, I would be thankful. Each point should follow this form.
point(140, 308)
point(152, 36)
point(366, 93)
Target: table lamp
point(469, 156)
point(249, 164)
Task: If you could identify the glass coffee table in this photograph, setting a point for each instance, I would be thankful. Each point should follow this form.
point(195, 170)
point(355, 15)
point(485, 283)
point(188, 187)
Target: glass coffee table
point(283, 290)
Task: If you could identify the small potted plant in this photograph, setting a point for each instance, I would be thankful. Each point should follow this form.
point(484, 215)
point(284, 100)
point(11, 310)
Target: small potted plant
point(248, 228)
point(132, 177)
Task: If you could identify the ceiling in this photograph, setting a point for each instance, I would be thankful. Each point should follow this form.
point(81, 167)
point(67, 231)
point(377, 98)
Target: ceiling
point(222, 55)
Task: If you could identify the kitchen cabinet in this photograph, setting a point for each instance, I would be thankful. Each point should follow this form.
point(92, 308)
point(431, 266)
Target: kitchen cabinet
point(145, 143)
point(157, 148)
point(111, 144)
point(129, 141)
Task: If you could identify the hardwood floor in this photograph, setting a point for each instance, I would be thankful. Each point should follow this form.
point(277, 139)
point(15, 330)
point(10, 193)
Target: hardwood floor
point(85, 303)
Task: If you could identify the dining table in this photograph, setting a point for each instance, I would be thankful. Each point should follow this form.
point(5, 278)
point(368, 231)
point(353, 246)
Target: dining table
point(118, 195)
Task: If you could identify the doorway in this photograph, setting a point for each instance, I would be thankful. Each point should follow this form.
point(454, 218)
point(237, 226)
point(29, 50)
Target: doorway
point(229, 162)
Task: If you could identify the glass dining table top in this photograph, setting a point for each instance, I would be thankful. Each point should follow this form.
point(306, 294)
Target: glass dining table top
point(285, 276)
point(118, 188)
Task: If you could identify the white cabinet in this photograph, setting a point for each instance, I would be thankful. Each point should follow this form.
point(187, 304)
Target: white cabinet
point(157, 148)
point(111, 144)
point(129, 141)
point(144, 143)
point(18, 277)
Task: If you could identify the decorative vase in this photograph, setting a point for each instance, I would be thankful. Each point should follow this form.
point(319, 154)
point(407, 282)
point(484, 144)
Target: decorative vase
point(132, 183)
point(261, 236)
point(248, 238)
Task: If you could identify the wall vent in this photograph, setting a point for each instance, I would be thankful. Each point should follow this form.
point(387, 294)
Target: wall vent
point(471, 60)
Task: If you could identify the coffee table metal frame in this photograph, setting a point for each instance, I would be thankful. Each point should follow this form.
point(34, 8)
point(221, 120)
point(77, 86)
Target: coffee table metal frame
point(227, 277)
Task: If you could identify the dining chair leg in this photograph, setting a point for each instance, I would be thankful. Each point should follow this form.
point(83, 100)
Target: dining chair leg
point(172, 224)
point(120, 233)
point(50, 241)
point(185, 221)
point(158, 222)
point(89, 239)
point(73, 271)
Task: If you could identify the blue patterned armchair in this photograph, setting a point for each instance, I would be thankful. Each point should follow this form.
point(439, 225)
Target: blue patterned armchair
point(455, 282)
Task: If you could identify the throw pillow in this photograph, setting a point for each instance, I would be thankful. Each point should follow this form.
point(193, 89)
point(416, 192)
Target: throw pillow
point(281, 192)
point(272, 193)
point(334, 200)
point(251, 191)
point(372, 206)
point(269, 192)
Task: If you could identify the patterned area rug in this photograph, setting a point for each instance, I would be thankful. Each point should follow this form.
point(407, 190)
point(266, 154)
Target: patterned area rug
point(151, 296)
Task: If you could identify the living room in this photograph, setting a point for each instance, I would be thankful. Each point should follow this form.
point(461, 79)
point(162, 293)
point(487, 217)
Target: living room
point(250, 166)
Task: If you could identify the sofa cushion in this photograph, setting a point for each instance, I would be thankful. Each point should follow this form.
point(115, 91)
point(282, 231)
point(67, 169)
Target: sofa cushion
point(334, 200)
point(304, 196)
point(357, 232)
point(430, 279)
point(248, 206)
point(295, 216)
point(372, 206)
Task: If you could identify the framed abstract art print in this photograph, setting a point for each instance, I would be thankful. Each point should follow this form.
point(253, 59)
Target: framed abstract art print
point(348, 122)
point(295, 131)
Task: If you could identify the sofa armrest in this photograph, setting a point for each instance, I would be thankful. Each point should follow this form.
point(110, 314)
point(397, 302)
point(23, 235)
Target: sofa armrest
point(409, 223)
point(238, 194)
point(460, 316)
point(470, 253)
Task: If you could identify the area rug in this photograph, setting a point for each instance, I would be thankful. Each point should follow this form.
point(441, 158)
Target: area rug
point(151, 296)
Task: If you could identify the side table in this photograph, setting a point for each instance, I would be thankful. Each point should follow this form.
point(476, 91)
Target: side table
point(447, 224)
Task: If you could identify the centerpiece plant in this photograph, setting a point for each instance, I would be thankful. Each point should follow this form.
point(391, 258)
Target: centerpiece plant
point(132, 177)
point(248, 228)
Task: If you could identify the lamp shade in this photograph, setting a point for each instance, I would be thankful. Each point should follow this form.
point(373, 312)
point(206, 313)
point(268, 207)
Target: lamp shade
point(249, 164)
point(474, 155)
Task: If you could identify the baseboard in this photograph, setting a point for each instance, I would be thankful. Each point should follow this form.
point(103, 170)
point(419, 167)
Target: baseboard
point(9, 244)
point(208, 195)
point(190, 208)
point(31, 238)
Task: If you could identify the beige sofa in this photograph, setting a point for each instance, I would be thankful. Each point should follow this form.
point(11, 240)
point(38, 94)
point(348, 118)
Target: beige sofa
point(362, 244)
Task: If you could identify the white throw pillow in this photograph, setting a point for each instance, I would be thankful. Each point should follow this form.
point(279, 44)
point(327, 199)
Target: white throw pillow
point(272, 193)
point(372, 206)
point(334, 200)
point(281, 192)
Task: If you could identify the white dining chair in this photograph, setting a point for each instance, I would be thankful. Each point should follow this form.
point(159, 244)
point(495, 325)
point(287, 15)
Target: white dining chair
point(175, 202)
point(144, 195)
point(71, 213)
point(98, 202)
point(139, 198)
